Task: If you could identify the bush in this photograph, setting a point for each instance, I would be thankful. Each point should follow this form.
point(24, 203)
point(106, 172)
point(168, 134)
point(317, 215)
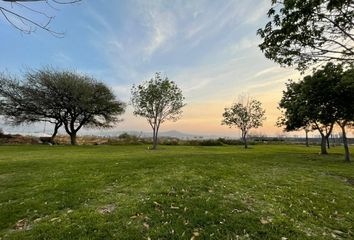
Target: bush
point(231, 141)
point(207, 142)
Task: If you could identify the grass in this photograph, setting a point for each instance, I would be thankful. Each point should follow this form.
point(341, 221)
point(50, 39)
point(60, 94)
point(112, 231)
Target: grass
point(129, 192)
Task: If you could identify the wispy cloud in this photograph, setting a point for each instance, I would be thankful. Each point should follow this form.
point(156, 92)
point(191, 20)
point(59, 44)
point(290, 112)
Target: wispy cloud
point(160, 27)
point(209, 48)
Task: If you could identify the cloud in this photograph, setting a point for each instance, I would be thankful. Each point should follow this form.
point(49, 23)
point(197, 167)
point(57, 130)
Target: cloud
point(259, 10)
point(161, 28)
point(244, 44)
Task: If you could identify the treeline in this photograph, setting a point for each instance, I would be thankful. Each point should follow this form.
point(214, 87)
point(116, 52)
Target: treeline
point(72, 101)
point(319, 102)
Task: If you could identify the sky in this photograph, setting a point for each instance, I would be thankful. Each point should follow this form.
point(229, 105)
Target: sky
point(209, 48)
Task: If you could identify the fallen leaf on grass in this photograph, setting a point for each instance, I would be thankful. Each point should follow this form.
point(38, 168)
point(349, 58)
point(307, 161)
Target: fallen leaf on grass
point(22, 225)
point(107, 209)
point(37, 220)
point(266, 221)
point(54, 219)
point(157, 204)
point(196, 234)
point(147, 226)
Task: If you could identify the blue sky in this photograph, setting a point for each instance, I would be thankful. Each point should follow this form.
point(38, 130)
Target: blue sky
point(209, 48)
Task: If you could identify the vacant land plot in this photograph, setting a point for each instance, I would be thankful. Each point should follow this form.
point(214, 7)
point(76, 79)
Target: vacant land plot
point(129, 192)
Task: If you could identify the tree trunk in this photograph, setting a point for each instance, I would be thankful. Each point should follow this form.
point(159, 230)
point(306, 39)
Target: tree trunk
point(323, 145)
point(154, 137)
point(345, 143)
point(327, 140)
point(154, 141)
point(56, 128)
point(307, 138)
point(73, 138)
point(244, 137)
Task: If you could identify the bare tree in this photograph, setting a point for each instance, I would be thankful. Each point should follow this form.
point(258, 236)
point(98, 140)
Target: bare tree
point(27, 15)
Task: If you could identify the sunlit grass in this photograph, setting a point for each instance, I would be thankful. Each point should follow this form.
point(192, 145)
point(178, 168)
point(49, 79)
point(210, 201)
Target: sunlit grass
point(129, 192)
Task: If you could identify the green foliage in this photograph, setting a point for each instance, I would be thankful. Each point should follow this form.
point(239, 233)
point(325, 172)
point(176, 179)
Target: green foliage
point(302, 32)
point(157, 100)
point(157, 97)
point(61, 97)
point(126, 136)
point(345, 97)
point(244, 115)
point(128, 192)
point(320, 98)
point(319, 101)
point(205, 142)
point(226, 141)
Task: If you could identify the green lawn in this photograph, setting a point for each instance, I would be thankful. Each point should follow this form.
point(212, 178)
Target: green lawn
point(177, 192)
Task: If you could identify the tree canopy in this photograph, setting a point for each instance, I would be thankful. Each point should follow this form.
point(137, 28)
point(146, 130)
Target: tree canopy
point(319, 100)
point(303, 32)
point(245, 115)
point(61, 97)
point(157, 100)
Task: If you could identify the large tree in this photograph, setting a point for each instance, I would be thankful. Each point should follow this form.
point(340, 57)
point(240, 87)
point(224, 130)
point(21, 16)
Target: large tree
point(29, 15)
point(319, 100)
point(245, 115)
point(157, 100)
point(20, 104)
point(303, 32)
point(61, 97)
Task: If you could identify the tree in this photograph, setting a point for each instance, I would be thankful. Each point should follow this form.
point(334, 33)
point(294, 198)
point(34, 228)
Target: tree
point(345, 106)
point(61, 97)
point(20, 105)
point(303, 32)
point(158, 100)
point(319, 100)
point(245, 114)
point(26, 18)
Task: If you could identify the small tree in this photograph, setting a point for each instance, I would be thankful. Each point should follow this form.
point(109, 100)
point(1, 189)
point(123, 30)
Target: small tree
point(299, 112)
point(61, 97)
point(244, 115)
point(158, 100)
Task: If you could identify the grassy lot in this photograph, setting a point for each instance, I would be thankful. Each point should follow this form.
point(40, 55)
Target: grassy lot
point(128, 192)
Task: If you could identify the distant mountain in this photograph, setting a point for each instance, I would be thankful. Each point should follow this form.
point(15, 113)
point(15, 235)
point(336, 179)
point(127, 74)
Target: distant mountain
point(176, 134)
